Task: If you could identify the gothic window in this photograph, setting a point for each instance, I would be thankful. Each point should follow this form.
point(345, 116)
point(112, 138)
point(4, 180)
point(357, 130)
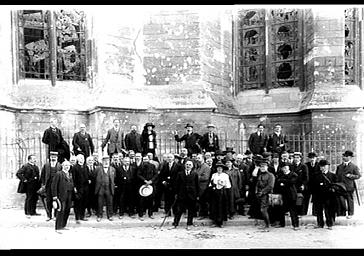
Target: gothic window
point(351, 51)
point(51, 45)
point(285, 48)
point(252, 49)
point(270, 44)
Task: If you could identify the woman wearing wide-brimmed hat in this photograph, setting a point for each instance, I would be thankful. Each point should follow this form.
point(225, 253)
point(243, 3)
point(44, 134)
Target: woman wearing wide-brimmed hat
point(219, 184)
point(149, 141)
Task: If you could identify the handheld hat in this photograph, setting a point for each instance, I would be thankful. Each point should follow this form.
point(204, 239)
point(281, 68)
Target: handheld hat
point(57, 204)
point(145, 190)
point(210, 125)
point(348, 153)
point(188, 125)
point(149, 124)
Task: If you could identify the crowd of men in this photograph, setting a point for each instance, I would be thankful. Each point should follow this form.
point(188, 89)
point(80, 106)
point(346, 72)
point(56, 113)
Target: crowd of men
point(201, 181)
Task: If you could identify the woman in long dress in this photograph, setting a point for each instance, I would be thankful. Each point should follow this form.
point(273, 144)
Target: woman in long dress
point(219, 184)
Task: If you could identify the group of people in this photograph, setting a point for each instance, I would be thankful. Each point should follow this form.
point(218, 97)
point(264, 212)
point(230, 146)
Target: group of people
point(201, 181)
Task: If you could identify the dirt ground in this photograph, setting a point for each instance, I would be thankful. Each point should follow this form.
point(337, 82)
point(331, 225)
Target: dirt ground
point(18, 232)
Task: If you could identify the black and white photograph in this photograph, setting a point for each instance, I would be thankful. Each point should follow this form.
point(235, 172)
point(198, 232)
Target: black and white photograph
point(234, 126)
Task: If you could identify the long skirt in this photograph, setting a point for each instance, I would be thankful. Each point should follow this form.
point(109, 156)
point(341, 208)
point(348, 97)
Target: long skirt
point(219, 205)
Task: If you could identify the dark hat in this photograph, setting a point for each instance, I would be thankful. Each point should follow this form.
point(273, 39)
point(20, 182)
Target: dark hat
point(228, 159)
point(285, 164)
point(149, 124)
point(105, 158)
point(275, 155)
point(348, 153)
point(290, 151)
point(221, 165)
point(210, 125)
point(53, 153)
point(219, 153)
point(323, 162)
point(229, 149)
point(257, 158)
point(247, 152)
point(311, 155)
point(264, 161)
point(188, 125)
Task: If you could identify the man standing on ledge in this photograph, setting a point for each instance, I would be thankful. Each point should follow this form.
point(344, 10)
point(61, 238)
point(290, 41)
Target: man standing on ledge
point(82, 142)
point(53, 138)
point(114, 139)
point(191, 140)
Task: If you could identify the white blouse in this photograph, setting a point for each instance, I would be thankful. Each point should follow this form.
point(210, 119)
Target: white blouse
point(221, 180)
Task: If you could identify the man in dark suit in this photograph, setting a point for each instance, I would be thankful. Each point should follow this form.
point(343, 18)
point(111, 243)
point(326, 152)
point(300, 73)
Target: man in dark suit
point(167, 178)
point(191, 140)
point(325, 200)
point(302, 180)
point(29, 174)
point(133, 140)
point(125, 185)
point(187, 191)
point(347, 172)
point(81, 181)
point(258, 141)
point(82, 142)
point(114, 139)
point(104, 188)
point(49, 169)
point(210, 141)
point(53, 138)
point(91, 204)
point(313, 170)
point(62, 189)
point(147, 174)
point(277, 141)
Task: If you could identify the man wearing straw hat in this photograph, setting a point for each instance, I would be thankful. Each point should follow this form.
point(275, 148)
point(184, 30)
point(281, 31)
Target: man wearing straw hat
point(210, 140)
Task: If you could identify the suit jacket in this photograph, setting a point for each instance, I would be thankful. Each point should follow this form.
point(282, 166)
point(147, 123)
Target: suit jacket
point(257, 144)
point(342, 171)
point(46, 175)
point(84, 142)
point(80, 177)
point(191, 142)
point(30, 174)
point(147, 171)
point(274, 141)
point(169, 175)
point(205, 142)
point(133, 141)
point(302, 172)
point(312, 172)
point(126, 179)
point(115, 141)
point(61, 184)
point(53, 139)
point(204, 174)
point(111, 175)
point(187, 187)
point(323, 185)
point(286, 185)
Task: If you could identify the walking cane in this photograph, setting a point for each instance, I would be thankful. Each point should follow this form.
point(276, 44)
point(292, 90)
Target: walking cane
point(165, 217)
point(356, 192)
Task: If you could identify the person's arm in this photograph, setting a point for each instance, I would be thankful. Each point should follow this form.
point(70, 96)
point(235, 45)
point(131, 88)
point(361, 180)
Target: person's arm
point(355, 175)
point(20, 174)
point(106, 140)
point(75, 143)
point(45, 138)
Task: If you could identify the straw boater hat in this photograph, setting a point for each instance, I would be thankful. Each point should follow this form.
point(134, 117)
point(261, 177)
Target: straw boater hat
point(53, 153)
point(210, 125)
point(188, 125)
point(145, 190)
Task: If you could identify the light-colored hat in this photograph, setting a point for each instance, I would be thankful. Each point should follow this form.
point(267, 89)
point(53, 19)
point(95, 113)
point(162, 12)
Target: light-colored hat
point(145, 190)
point(210, 125)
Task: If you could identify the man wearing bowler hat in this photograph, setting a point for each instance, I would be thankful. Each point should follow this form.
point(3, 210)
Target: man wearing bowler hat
point(313, 170)
point(210, 140)
point(229, 152)
point(347, 172)
point(191, 140)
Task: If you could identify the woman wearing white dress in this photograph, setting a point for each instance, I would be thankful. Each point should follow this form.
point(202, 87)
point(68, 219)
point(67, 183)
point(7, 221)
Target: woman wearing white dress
point(220, 183)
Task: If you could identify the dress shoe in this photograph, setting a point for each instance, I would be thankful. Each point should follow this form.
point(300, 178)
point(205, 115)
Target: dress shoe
point(84, 219)
point(296, 228)
point(349, 216)
point(173, 227)
point(201, 218)
point(48, 219)
point(188, 227)
point(151, 217)
point(98, 219)
point(78, 222)
point(317, 226)
point(329, 228)
point(132, 216)
point(111, 219)
point(88, 215)
point(121, 216)
point(141, 218)
point(36, 214)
